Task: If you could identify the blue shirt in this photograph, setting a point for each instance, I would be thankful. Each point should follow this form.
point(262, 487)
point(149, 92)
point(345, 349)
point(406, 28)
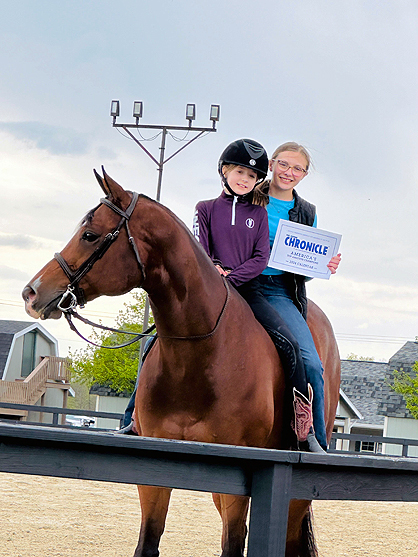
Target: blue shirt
point(277, 209)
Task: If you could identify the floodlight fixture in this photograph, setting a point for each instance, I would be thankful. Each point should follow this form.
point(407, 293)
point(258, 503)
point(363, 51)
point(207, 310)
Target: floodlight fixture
point(190, 113)
point(215, 110)
point(115, 109)
point(137, 111)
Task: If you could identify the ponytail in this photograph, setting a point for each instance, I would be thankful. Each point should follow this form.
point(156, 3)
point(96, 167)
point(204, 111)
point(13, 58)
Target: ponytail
point(261, 194)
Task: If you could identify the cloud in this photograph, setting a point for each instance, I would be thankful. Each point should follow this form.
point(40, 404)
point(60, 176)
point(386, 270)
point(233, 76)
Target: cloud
point(54, 139)
point(9, 273)
point(21, 241)
point(104, 153)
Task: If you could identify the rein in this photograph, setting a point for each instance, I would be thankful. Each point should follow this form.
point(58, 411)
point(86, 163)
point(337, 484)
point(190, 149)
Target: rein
point(213, 331)
point(74, 295)
point(138, 336)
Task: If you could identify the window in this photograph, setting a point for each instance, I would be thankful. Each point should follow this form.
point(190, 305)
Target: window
point(29, 351)
point(368, 447)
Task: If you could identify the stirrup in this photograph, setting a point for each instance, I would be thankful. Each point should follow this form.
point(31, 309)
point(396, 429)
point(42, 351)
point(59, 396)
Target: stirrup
point(127, 430)
point(312, 444)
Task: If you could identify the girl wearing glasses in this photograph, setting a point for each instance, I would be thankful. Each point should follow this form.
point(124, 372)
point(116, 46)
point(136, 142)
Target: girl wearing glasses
point(234, 232)
point(285, 291)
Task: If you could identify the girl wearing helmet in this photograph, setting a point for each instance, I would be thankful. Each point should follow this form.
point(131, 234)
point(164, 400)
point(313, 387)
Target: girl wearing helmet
point(234, 233)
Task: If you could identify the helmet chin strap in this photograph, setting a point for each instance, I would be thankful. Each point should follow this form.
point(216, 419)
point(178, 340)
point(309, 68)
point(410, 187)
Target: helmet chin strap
point(240, 195)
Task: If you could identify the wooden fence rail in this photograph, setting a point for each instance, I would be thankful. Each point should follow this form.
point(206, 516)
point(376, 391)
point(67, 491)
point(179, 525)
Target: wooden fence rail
point(272, 478)
point(56, 412)
point(404, 443)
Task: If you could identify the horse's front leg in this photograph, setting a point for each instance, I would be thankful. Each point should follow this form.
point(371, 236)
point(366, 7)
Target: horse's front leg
point(154, 507)
point(233, 510)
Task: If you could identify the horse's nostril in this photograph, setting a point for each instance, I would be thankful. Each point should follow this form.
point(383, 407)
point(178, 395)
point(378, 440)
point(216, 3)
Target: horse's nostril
point(27, 293)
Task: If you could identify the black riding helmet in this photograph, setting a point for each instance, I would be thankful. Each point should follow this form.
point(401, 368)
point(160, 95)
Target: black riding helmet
point(247, 153)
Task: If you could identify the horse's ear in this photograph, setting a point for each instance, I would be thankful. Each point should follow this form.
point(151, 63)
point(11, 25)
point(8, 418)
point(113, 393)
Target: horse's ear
point(102, 183)
point(112, 189)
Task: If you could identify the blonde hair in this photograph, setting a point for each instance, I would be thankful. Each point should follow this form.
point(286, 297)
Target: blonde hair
point(296, 148)
point(261, 192)
point(226, 168)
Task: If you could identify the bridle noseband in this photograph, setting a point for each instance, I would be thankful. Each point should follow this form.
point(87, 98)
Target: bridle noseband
point(74, 295)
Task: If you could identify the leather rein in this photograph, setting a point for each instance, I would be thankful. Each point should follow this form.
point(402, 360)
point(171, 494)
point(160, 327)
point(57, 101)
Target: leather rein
point(74, 295)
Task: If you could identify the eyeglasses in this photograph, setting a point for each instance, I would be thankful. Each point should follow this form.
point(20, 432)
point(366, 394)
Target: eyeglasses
point(297, 170)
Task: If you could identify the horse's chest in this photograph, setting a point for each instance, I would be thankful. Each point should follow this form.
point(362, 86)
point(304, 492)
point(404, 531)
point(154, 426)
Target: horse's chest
point(183, 426)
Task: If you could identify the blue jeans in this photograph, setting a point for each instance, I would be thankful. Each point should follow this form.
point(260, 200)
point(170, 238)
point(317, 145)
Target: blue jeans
point(286, 344)
point(277, 291)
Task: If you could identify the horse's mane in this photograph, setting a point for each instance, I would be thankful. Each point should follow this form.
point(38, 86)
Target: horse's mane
point(165, 209)
point(195, 245)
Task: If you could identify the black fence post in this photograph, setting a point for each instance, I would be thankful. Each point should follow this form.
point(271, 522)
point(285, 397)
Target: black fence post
point(270, 498)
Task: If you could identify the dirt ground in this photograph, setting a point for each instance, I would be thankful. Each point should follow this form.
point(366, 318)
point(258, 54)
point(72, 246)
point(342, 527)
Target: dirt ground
point(50, 517)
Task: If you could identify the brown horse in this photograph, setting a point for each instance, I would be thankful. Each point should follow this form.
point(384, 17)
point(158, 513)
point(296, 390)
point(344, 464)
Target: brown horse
point(213, 376)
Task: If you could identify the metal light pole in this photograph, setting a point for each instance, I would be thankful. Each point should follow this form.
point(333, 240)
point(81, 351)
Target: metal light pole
point(137, 114)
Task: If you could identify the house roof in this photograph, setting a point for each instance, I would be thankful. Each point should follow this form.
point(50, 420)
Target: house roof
point(364, 383)
point(408, 354)
point(393, 405)
point(13, 327)
point(368, 384)
point(5, 345)
point(350, 406)
point(105, 390)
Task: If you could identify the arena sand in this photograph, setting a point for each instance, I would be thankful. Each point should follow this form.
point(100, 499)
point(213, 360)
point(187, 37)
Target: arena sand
point(51, 517)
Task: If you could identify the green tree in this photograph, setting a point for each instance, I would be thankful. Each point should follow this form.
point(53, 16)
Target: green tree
point(406, 385)
point(82, 399)
point(353, 356)
point(116, 368)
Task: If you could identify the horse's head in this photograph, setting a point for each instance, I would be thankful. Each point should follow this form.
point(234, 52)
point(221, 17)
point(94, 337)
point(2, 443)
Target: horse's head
point(88, 265)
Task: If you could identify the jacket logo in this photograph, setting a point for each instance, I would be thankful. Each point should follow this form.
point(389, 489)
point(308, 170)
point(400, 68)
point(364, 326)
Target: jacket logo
point(250, 223)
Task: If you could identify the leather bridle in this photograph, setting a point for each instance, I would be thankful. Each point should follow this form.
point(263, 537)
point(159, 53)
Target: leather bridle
point(74, 295)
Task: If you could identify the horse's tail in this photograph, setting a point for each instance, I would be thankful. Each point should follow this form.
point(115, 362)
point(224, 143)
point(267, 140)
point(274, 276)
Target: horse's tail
point(308, 546)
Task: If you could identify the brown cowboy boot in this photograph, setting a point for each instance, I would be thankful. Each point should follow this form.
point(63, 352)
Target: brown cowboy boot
point(303, 422)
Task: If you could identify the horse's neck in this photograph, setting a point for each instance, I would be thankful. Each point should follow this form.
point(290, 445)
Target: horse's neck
point(186, 292)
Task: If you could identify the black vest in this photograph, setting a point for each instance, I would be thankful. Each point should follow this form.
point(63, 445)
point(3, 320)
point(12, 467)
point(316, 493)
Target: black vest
point(304, 213)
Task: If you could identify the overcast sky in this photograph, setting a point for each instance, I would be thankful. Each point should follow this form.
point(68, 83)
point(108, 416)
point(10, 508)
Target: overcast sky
point(339, 77)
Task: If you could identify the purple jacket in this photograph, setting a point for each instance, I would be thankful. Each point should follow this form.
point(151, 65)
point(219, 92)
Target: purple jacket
point(235, 234)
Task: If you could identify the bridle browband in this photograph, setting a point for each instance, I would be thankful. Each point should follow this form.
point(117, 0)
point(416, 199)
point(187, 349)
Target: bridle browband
point(74, 295)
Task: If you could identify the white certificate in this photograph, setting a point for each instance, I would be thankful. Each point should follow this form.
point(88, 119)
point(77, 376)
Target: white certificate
point(303, 250)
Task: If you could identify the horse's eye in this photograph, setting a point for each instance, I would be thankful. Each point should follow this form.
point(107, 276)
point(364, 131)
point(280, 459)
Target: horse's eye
point(89, 236)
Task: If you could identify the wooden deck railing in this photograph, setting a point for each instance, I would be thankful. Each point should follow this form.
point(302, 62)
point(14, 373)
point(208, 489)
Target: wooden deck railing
point(30, 389)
